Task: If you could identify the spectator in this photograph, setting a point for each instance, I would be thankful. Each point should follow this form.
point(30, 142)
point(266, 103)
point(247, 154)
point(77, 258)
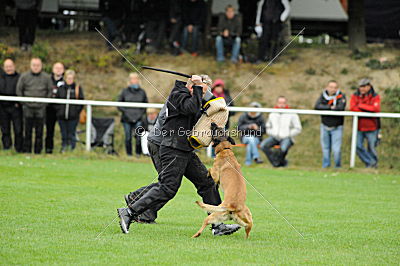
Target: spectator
point(34, 83)
point(251, 126)
point(365, 99)
point(219, 90)
point(229, 30)
point(281, 128)
point(148, 123)
point(133, 20)
point(68, 114)
point(248, 9)
point(193, 17)
point(57, 78)
point(331, 99)
point(26, 19)
point(270, 16)
point(10, 112)
point(156, 15)
point(131, 117)
point(175, 19)
point(113, 14)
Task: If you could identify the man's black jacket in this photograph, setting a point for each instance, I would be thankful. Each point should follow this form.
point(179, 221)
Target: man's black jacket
point(324, 104)
point(183, 111)
point(8, 86)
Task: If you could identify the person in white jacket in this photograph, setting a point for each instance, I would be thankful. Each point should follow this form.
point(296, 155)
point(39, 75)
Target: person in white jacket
point(281, 128)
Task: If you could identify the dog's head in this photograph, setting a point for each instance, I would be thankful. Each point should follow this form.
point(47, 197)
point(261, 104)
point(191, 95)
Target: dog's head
point(220, 137)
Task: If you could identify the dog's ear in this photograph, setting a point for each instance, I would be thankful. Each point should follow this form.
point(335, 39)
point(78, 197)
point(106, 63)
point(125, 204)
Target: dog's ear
point(231, 140)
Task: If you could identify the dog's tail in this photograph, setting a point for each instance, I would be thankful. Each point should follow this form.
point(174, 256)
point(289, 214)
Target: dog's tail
point(211, 208)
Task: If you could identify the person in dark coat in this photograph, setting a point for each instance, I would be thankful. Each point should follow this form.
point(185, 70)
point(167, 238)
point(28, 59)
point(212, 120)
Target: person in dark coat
point(68, 114)
point(229, 34)
point(251, 126)
point(26, 18)
point(34, 83)
point(331, 99)
point(270, 15)
point(57, 78)
point(194, 13)
point(175, 20)
point(132, 117)
point(113, 14)
point(156, 16)
point(10, 112)
point(176, 155)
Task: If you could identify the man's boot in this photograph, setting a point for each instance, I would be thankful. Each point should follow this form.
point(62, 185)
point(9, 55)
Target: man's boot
point(126, 217)
point(224, 229)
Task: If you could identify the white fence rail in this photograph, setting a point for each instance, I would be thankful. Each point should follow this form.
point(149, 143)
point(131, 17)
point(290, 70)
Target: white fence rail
point(90, 103)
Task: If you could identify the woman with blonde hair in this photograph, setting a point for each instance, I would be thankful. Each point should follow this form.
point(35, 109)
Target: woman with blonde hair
point(131, 118)
point(68, 114)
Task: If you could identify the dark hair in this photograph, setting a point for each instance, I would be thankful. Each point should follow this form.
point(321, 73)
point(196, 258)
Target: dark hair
point(228, 7)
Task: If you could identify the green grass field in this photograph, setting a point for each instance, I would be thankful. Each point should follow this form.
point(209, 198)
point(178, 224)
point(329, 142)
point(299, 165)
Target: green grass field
point(53, 209)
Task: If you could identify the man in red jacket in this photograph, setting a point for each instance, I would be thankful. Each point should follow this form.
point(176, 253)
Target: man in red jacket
point(366, 100)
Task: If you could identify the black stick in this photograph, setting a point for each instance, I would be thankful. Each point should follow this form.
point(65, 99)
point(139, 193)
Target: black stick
point(167, 71)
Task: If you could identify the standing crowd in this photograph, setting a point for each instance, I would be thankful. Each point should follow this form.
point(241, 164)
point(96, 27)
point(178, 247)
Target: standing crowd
point(26, 118)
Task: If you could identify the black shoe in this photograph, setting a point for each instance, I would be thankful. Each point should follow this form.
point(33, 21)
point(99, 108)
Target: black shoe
point(48, 151)
point(224, 229)
point(126, 218)
point(258, 161)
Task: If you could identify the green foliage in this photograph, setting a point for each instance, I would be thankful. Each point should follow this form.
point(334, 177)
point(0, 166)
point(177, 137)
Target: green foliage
point(391, 100)
point(310, 71)
point(358, 54)
point(41, 50)
point(137, 60)
point(6, 52)
point(376, 64)
point(344, 71)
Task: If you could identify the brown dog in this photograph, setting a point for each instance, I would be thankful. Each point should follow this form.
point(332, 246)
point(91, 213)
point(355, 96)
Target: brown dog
point(226, 172)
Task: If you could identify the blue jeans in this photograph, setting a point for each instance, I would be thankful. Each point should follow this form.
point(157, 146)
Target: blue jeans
point(331, 141)
point(220, 42)
point(251, 148)
point(129, 129)
point(195, 36)
point(370, 156)
point(277, 159)
point(68, 131)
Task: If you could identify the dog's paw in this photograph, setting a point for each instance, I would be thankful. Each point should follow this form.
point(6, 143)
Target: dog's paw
point(196, 235)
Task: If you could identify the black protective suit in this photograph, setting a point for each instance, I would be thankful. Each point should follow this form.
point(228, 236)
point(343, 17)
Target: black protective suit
point(176, 155)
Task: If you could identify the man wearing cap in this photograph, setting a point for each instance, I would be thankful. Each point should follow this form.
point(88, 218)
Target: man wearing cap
point(365, 99)
point(173, 157)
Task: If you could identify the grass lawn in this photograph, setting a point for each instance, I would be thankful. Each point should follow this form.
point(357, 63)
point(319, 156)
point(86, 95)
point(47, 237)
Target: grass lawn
point(53, 208)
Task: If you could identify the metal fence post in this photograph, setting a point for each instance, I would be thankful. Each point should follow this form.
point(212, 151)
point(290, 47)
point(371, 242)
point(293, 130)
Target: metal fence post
point(88, 126)
point(354, 142)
